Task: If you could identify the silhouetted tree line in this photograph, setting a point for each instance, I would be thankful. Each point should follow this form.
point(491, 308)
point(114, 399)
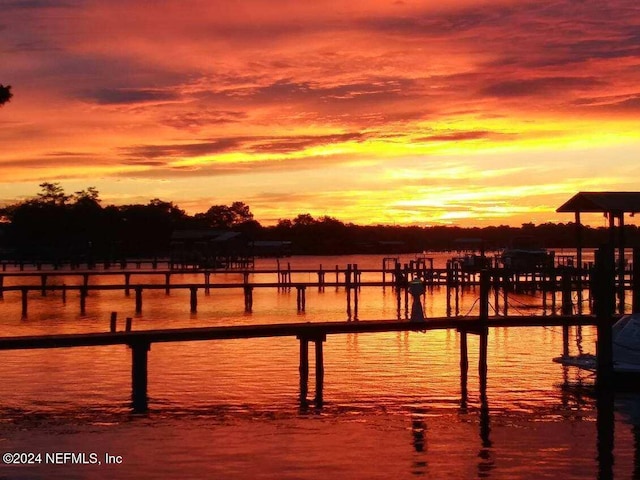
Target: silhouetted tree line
point(55, 226)
point(5, 94)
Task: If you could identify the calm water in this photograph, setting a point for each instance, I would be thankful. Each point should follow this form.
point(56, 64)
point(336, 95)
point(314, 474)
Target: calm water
point(229, 409)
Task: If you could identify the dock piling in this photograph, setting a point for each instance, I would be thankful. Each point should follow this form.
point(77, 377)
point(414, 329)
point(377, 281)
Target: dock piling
point(83, 300)
point(485, 289)
point(139, 398)
point(319, 370)
point(301, 297)
point(635, 280)
point(25, 292)
point(321, 279)
point(304, 369)
point(464, 367)
point(194, 299)
point(567, 304)
point(248, 299)
point(604, 306)
point(138, 299)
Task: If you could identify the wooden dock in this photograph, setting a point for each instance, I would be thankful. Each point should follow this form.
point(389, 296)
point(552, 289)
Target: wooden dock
point(546, 282)
point(605, 290)
point(140, 341)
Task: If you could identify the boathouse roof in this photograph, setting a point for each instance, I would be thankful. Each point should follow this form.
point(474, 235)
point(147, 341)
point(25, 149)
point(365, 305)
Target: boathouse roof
point(204, 235)
point(603, 202)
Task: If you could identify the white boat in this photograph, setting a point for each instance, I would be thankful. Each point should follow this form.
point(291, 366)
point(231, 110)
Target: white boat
point(626, 350)
point(626, 344)
point(525, 254)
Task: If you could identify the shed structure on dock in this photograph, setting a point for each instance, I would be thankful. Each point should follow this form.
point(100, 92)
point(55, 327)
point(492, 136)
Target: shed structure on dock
point(211, 248)
point(613, 205)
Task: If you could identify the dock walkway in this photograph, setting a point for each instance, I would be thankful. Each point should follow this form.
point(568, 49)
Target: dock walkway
point(140, 341)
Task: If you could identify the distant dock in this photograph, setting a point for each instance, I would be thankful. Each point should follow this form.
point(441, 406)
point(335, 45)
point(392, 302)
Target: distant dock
point(547, 282)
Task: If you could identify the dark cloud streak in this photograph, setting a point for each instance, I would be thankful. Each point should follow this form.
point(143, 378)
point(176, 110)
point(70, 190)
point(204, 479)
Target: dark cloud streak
point(248, 144)
point(540, 86)
point(118, 96)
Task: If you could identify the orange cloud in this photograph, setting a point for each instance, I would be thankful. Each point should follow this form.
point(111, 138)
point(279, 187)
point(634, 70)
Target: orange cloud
point(504, 108)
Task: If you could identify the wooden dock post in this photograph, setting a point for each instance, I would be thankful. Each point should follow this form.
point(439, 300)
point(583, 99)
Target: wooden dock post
point(621, 265)
point(278, 272)
point(127, 325)
point(347, 288)
point(397, 279)
point(464, 367)
point(138, 299)
point(127, 282)
point(207, 283)
point(355, 276)
point(64, 293)
point(301, 297)
point(139, 398)
point(113, 322)
point(604, 288)
point(167, 283)
point(545, 286)
point(25, 292)
point(355, 303)
point(505, 293)
point(485, 289)
point(83, 300)
point(304, 369)
point(248, 298)
point(194, 299)
point(603, 282)
point(43, 282)
point(449, 282)
point(635, 276)
point(567, 304)
point(321, 279)
point(496, 293)
point(398, 292)
point(406, 290)
point(319, 369)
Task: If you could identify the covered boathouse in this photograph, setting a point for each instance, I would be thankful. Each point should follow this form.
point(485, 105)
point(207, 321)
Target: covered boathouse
point(612, 205)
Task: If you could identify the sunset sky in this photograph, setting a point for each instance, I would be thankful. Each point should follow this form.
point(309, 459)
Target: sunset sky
point(471, 112)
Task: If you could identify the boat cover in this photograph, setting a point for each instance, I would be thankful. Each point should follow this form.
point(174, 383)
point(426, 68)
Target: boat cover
point(626, 341)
